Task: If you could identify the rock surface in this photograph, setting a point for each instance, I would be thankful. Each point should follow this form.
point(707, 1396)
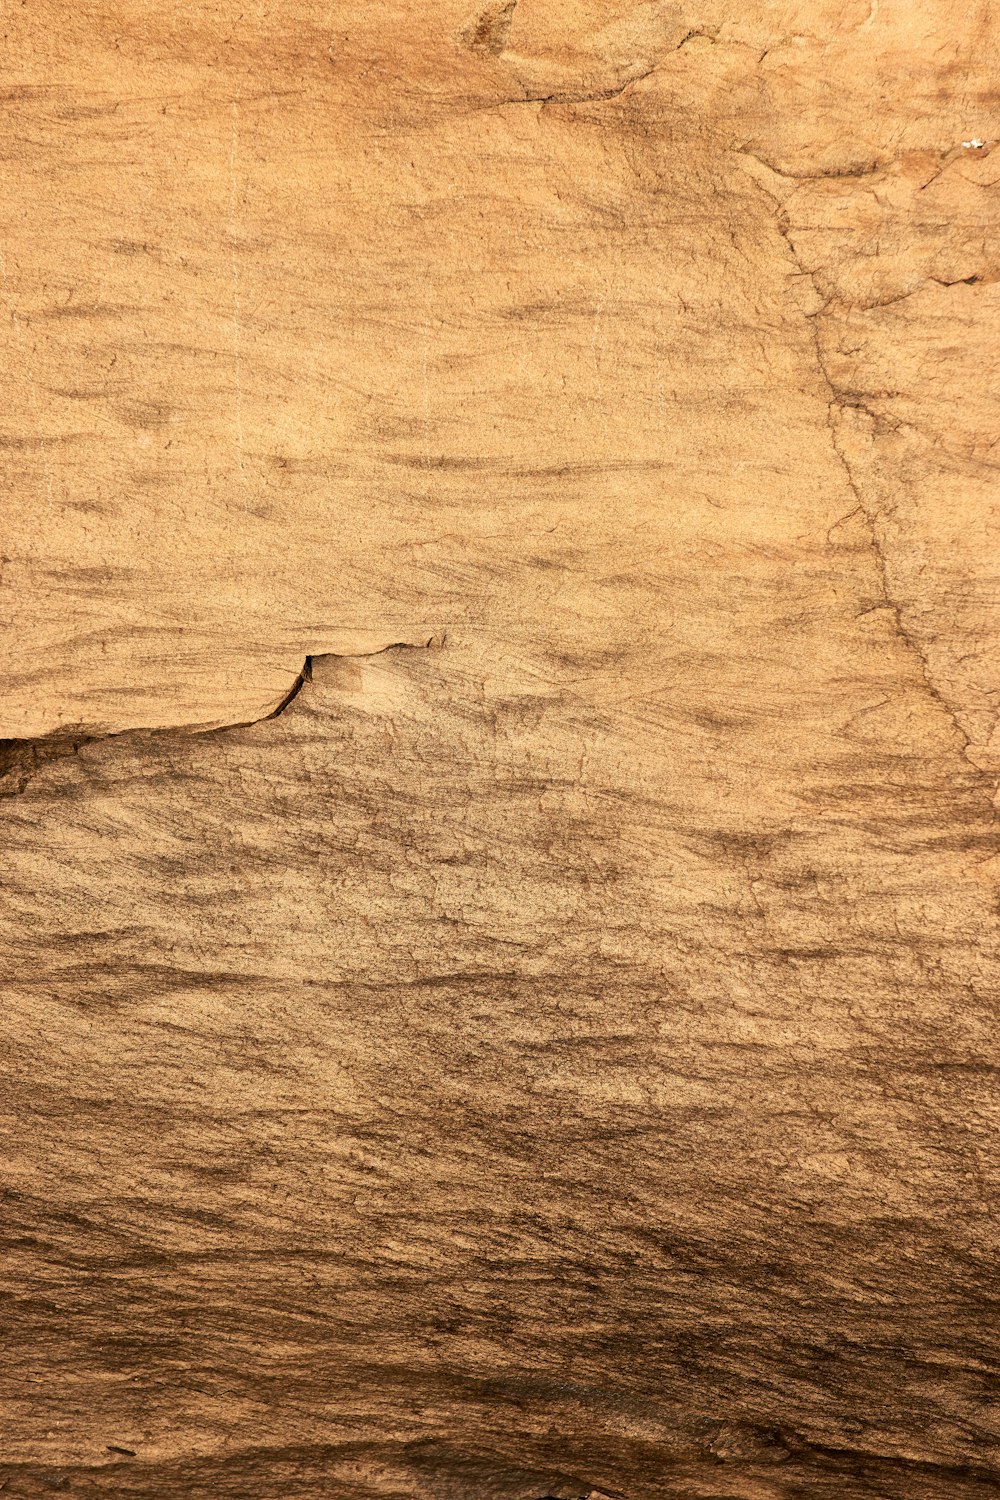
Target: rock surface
point(499, 766)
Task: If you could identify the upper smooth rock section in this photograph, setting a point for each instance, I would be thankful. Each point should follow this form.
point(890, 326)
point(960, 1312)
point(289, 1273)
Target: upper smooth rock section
point(327, 332)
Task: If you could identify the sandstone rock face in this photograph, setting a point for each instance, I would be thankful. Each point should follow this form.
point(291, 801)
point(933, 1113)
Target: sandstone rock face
point(500, 750)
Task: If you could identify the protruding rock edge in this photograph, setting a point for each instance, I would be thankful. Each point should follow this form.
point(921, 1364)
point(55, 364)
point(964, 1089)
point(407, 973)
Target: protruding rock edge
point(21, 758)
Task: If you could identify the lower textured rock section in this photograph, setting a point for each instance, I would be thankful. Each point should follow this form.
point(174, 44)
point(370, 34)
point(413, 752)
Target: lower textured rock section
point(407, 1097)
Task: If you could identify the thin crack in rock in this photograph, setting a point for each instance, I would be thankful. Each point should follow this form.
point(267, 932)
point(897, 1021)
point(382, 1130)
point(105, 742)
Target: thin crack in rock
point(600, 96)
point(977, 278)
point(838, 402)
point(870, 168)
point(22, 758)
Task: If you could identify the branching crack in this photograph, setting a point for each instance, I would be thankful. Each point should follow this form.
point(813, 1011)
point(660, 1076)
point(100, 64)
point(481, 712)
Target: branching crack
point(613, 91)
point(840, 401)
point(22, 758)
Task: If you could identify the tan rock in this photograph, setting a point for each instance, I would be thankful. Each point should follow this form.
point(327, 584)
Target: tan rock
point(500, 750)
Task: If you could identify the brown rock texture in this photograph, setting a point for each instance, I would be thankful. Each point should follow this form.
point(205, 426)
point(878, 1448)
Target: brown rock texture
point(500, 750)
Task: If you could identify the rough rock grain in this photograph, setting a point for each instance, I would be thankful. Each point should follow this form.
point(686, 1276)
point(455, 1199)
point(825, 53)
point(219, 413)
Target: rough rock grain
point(499, 750)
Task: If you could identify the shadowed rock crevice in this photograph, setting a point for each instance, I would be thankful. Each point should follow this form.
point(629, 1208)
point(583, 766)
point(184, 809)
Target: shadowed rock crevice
point(22, 759)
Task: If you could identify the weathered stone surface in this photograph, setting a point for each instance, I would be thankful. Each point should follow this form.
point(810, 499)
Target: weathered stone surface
point(499, 708)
